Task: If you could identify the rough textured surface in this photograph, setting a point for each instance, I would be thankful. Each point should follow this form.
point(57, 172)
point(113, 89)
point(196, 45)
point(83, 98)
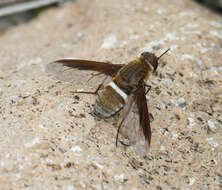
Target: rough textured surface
point(48, 138)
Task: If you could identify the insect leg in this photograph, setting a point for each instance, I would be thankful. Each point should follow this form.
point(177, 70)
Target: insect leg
point(148, 88)
point(94, 75)
point(97, 89)
point(117, 134)
point(125, 112)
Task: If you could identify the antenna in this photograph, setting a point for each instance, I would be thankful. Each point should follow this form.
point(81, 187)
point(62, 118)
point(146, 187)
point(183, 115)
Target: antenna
point(163, 54)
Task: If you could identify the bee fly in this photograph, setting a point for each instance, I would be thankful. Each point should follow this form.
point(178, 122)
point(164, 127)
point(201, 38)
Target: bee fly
point(125, 93)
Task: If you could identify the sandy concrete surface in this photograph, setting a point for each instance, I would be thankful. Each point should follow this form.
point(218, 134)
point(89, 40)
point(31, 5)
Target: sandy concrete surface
point(49, 139)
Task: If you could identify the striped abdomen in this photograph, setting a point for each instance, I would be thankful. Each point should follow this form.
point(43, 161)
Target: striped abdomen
point(113, 97)
point(110, 100)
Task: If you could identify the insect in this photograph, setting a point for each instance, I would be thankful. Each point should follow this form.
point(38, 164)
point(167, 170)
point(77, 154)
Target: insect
point(124, 94)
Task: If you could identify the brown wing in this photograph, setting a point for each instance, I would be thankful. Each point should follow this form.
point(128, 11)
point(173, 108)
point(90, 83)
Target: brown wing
point(143, 113)
point(135, 123)
point(68, 70)
point(106, 68)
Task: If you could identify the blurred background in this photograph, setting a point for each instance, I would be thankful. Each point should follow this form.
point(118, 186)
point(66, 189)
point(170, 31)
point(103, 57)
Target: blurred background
point(14, 12)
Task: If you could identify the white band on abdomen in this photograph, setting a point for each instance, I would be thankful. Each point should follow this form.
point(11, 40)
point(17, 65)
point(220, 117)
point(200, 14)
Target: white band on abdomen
point(118, 90)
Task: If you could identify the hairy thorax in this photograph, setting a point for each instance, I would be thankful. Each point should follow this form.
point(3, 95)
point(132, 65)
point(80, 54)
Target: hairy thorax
point(128, 77)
